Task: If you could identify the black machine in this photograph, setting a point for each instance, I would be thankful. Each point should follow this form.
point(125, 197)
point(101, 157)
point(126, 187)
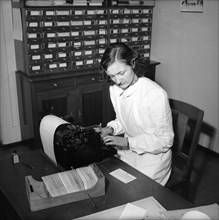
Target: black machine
point(76, 146)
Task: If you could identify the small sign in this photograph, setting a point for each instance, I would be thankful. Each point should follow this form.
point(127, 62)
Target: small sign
point(191, 5)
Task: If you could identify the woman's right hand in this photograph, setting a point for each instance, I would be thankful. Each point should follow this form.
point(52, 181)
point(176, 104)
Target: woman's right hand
point(104, 131)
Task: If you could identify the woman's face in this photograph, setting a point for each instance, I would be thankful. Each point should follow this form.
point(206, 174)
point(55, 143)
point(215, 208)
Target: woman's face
point(121, 74)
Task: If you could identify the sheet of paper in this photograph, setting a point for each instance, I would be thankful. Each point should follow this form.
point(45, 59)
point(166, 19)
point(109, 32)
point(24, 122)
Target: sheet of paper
point(150, 204)
point(48, 127)
point(123, 175)
point(133, 212)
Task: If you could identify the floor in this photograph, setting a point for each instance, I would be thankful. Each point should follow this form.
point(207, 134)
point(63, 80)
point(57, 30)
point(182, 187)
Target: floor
point(205, 178)
point(205, 175)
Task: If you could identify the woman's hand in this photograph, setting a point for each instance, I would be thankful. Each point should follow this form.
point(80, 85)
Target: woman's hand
point(104, 131)
point(120, 143)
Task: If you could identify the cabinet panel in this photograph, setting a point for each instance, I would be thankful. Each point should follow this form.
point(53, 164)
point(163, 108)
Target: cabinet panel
point(92, 103)
point(55, 102)
point(92, 107)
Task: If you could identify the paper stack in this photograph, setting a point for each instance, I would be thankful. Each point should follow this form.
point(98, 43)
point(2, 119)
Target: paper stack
point(70, 181)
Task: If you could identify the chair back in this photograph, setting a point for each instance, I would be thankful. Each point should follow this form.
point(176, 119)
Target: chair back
point(187, 122)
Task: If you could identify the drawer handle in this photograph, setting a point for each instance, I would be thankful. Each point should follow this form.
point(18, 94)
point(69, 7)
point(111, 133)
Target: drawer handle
point(55, 85)
point(93, 79)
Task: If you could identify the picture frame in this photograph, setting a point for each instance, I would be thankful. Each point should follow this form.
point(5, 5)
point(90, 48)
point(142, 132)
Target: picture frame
point(191, 5)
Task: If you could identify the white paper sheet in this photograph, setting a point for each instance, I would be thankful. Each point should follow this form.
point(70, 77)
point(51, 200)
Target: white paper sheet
point(150, 204)
point(48, 127)
point(133, 212)
point(123, 175)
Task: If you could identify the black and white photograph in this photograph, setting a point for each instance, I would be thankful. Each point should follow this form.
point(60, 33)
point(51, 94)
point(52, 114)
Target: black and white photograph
point(109, 110)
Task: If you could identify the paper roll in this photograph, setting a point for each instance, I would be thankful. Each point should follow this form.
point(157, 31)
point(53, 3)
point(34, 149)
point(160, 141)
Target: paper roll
point(48, 126)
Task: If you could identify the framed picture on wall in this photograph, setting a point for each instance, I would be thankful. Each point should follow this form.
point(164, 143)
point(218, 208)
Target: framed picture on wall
point(191, 5)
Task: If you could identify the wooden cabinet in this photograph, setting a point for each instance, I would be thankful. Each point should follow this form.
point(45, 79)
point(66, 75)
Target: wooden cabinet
point(85, 98)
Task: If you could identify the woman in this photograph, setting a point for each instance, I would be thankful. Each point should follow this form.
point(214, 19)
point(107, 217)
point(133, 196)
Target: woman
point(143, 115)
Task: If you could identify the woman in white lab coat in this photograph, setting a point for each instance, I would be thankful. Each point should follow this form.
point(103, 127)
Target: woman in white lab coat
point(143, 115)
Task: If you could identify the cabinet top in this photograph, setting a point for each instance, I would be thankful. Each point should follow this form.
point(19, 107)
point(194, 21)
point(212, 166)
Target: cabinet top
point(86, 4)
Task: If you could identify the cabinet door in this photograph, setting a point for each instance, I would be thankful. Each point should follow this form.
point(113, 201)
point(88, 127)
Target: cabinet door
point(57, 102)
point(92, 103)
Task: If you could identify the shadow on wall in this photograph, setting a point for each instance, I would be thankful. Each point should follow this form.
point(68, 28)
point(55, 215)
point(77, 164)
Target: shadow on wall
point(209, 133)
point(201, 160)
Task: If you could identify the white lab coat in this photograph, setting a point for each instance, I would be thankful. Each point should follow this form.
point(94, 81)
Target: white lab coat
point(144, 116)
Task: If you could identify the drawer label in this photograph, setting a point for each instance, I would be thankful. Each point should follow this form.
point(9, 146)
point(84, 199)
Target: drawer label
point(51, 34)
point(33, 24)
point(62, 13)
point(64, 23)
point(36, 13)
point(35, 68)
point(50, 13)
point(78, 53)
point(48, 56)
point(88, 52)
point(34, 46)
point(79, 63)
point(62, 64)
point(63, 34)
point(51, 45)
point(36, 57)
point(52, 66)
point(62, 54)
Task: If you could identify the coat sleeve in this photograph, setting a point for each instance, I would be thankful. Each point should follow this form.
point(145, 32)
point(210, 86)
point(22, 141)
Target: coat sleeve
point(115, 124)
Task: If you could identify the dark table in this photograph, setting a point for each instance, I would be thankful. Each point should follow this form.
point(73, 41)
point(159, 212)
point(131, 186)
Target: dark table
point(14, 199)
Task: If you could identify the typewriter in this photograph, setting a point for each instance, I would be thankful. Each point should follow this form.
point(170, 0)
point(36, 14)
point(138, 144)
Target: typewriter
point(72, 145)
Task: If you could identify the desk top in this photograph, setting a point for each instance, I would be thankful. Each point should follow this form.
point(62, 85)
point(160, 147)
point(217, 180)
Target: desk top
point(12, 185)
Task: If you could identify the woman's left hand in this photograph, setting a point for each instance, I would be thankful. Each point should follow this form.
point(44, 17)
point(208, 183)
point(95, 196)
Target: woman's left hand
point(120, 143)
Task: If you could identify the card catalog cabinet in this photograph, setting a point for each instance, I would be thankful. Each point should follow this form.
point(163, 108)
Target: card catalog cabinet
point(59, 39)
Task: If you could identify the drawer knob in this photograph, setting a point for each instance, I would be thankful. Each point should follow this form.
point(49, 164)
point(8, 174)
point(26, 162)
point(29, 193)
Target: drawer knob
point(93, 79)
point(55, 85)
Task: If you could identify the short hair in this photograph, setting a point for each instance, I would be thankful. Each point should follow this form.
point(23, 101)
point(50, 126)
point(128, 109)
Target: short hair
point(120, 52)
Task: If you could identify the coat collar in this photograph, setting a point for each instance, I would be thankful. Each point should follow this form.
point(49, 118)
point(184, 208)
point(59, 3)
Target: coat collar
point(131, 89)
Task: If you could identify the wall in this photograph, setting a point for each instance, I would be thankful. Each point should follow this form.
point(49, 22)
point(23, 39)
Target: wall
point(186, 44)
point(9, 115)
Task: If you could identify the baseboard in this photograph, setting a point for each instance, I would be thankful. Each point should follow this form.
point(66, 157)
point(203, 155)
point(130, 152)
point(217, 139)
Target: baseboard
point(29, 142)
point(208, 151)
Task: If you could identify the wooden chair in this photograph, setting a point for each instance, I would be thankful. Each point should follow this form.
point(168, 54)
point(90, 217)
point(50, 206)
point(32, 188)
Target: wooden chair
point(187, 121)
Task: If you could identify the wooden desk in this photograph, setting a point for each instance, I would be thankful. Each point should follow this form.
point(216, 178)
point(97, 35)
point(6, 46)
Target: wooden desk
point(13, 191)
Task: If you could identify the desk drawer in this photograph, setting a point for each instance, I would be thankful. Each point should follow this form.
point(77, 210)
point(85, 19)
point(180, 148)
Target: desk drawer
point(54, 84)
point(86, 80)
